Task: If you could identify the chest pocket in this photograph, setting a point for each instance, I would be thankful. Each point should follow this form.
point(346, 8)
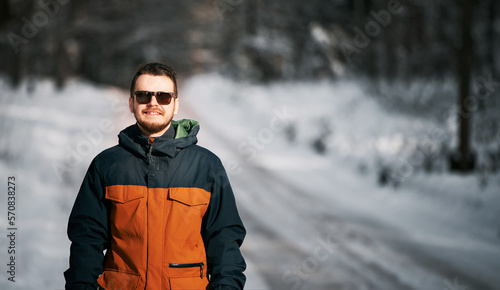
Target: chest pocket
point(187, 208)
point(127, 209)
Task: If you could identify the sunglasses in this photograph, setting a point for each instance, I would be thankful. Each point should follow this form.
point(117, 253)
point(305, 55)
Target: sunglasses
point(144, 97)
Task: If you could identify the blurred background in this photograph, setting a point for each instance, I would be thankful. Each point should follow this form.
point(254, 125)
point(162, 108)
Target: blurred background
point(361, 137)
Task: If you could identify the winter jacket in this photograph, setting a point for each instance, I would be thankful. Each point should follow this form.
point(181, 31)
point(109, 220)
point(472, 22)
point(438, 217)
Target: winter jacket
point(163, 210)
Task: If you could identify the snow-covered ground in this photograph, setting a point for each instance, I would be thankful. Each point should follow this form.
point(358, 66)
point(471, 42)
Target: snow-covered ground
point(433, 231)
point(304, 160)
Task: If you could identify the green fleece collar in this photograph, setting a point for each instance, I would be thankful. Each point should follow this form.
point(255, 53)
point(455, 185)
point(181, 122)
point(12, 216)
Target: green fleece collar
point(184, 127)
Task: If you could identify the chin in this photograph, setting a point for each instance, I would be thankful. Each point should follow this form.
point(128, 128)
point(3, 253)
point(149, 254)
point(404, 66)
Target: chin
point(153, 128)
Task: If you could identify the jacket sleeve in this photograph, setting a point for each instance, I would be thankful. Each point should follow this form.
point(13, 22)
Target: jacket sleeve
point(88, 233)
point(223, 233)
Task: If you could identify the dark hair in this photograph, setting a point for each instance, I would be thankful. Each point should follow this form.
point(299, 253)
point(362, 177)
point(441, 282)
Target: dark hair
point(154, 69)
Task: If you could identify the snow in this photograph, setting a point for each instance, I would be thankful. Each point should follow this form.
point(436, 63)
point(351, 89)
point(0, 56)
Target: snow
point(433, 230)
point(47, 145)
point(448, 217)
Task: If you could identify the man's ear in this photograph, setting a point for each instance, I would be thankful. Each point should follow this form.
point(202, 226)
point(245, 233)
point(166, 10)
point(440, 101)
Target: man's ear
point(176, 106)
point(131, 104)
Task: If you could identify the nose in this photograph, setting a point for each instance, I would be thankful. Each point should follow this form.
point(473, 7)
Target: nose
point(153, 101)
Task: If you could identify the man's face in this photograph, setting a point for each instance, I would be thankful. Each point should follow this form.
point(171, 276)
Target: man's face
point(153, 119)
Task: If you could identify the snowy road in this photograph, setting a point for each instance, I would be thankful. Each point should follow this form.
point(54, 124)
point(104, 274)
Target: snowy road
point(315, 223)
point(299, 238)
point(333, 246)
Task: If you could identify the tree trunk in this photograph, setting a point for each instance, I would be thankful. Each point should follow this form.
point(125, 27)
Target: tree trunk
point(494, 8)
point(466, 162)
point(251, 17)
point(4, 12)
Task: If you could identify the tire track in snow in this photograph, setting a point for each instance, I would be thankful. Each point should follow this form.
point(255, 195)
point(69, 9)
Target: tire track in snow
point(344, 269)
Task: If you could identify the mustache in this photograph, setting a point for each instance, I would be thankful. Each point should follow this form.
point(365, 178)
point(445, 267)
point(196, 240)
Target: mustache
point(158, 110)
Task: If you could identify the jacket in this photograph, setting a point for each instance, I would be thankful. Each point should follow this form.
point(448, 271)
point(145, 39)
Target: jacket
point(163, 211)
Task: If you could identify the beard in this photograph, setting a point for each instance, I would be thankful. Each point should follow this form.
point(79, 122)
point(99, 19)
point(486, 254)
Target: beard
point(151, 127)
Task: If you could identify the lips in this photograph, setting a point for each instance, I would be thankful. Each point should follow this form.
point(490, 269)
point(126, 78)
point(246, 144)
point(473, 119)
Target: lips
point(153, 113)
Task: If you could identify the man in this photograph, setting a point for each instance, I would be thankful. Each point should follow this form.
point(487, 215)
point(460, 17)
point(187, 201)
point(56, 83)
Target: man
point(161, 206)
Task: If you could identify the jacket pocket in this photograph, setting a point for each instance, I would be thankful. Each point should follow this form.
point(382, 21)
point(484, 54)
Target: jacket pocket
point(191, 276)
point(188, 206)
point(127, 209)
point(125, 193)
point(117, 280)
point(189, 265)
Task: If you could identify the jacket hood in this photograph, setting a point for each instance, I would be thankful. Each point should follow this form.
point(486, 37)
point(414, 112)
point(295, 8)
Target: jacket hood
point(131, 138)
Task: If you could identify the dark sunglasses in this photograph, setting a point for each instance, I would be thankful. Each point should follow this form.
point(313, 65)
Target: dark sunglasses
point(144, 97)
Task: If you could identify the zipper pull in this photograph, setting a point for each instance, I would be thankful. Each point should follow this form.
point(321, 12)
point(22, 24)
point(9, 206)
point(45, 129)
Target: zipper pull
point(201, 270)
point(150, 151)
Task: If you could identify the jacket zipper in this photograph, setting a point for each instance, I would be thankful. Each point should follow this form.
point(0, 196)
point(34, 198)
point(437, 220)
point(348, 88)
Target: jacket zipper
point(150, 154)
point(189, 265)
point(150, 151)
point(150, 160)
